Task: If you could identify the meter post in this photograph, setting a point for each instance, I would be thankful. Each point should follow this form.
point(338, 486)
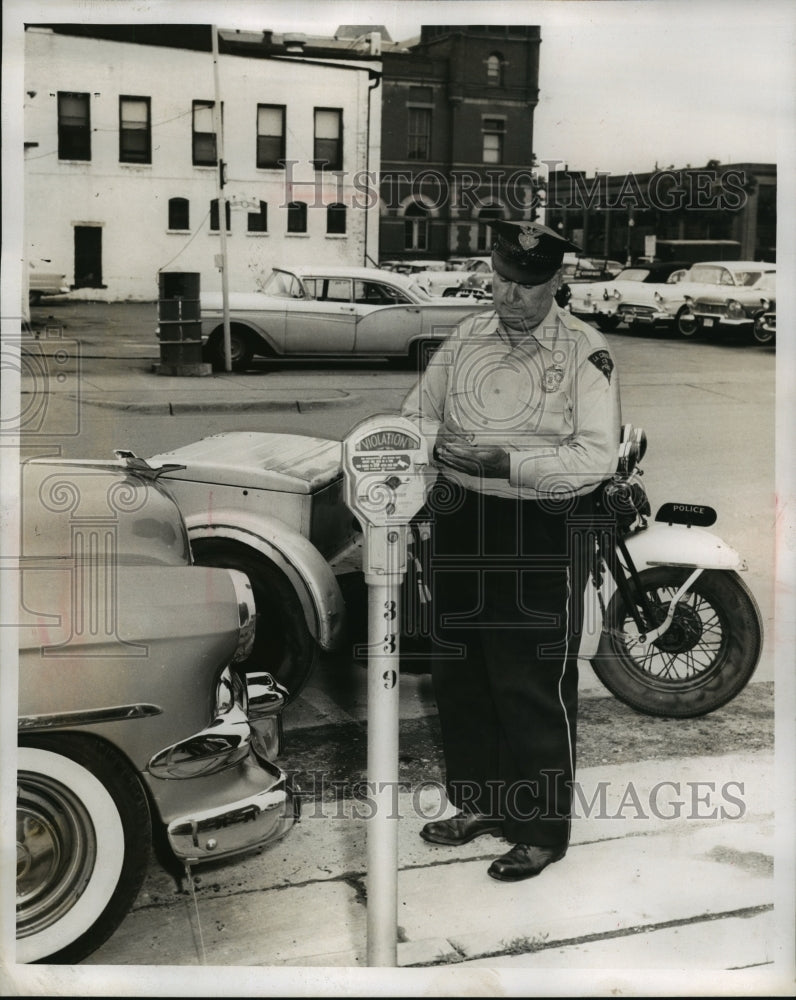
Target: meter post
point(384, 460)
point(384, 618)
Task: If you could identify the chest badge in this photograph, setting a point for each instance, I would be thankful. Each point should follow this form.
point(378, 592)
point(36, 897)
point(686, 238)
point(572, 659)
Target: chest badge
point(552, 378)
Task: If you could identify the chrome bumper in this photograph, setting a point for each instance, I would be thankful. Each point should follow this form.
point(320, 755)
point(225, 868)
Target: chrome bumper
point(234, 798)
point(644, 314)
point(242, 825)
point(600, 308)
point(708, 319)
point(249, 715)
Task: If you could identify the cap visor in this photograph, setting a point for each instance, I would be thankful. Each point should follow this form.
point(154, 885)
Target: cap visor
point(512, 271)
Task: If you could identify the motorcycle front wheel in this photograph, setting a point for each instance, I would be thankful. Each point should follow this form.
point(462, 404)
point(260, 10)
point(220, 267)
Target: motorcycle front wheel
point(702, 661)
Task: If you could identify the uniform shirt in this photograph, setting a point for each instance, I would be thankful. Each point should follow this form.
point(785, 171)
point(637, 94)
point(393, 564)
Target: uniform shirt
point(552, 401)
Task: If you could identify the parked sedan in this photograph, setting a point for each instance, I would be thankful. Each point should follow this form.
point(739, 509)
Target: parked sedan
point(331, 312)
point(600, 301)
point(472, 276)
point(670, 304)
point(43, 282)
point(744, 309)
point(136, 728)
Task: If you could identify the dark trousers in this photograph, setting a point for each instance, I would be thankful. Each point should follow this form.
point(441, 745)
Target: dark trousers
point(507, 580)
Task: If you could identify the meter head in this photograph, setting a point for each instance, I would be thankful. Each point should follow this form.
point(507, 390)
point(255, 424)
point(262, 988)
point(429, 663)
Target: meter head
point(385, 461)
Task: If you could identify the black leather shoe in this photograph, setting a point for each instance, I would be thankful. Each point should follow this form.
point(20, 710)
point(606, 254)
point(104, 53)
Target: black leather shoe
point(460, 829)
point(524, 861)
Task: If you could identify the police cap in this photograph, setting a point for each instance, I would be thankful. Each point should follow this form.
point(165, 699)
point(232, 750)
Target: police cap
point(527, 252)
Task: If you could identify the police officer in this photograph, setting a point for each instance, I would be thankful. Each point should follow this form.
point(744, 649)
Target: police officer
point(520, 411)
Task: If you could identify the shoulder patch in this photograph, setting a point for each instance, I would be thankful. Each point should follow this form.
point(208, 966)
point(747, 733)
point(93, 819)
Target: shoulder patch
point(603, 361)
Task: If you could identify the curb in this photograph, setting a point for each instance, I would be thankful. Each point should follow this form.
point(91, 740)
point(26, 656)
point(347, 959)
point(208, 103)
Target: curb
point(176, 407)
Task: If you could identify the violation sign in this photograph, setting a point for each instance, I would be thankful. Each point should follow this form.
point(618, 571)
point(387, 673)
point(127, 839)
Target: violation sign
point(381, 463)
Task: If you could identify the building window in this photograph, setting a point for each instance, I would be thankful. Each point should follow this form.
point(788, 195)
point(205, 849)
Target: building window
point(494, 70)
point(416, 227)
point(270, 135)
point(178, 213)
point(135, 130)
point(297, 217)
point(214, 215)
point(485, 236)
point(419, 133)
point(258, 221)
point(493, 131)
point(335, 218)
point(328, 149)
point(74, 127)
point(204, 135)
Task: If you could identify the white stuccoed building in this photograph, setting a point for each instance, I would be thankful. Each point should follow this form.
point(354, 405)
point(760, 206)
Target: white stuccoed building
point(120, 156)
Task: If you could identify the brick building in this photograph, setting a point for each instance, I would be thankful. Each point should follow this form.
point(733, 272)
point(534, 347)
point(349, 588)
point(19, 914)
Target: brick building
point(730, 209)
point(457, 137)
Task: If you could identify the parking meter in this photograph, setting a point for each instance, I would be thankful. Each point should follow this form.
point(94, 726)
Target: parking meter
point(385, 462)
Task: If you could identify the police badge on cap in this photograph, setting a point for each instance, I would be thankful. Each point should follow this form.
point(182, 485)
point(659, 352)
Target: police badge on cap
point(528, 252)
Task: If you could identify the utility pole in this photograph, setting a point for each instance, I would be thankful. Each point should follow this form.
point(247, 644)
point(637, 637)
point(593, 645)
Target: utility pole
point(218, 126)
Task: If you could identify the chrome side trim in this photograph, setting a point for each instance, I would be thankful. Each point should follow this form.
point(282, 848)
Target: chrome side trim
point(90, 717)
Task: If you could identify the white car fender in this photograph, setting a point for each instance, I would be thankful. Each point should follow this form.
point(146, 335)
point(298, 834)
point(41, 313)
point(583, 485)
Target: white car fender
point(310, 574)
point(680, 545)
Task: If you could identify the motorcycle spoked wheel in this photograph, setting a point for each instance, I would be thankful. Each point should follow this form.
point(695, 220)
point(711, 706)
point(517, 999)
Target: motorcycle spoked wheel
point(702, 661)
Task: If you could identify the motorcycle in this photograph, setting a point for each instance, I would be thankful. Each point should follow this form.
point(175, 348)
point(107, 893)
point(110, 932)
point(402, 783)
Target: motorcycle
point(681, 632)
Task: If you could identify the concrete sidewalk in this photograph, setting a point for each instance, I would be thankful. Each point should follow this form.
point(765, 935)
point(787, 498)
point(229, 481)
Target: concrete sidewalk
point(670, 867)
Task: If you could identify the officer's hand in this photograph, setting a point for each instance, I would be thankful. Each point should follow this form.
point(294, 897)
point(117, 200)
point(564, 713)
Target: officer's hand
point(457, 452)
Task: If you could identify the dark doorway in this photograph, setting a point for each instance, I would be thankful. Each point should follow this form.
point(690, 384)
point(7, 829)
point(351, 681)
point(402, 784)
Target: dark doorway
point(88, 257)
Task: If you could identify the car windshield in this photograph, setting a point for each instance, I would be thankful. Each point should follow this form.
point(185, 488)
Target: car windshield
point(284, 285)
point(633, 274)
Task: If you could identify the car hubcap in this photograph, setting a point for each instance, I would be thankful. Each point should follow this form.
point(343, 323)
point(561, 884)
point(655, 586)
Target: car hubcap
point(56, 852)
